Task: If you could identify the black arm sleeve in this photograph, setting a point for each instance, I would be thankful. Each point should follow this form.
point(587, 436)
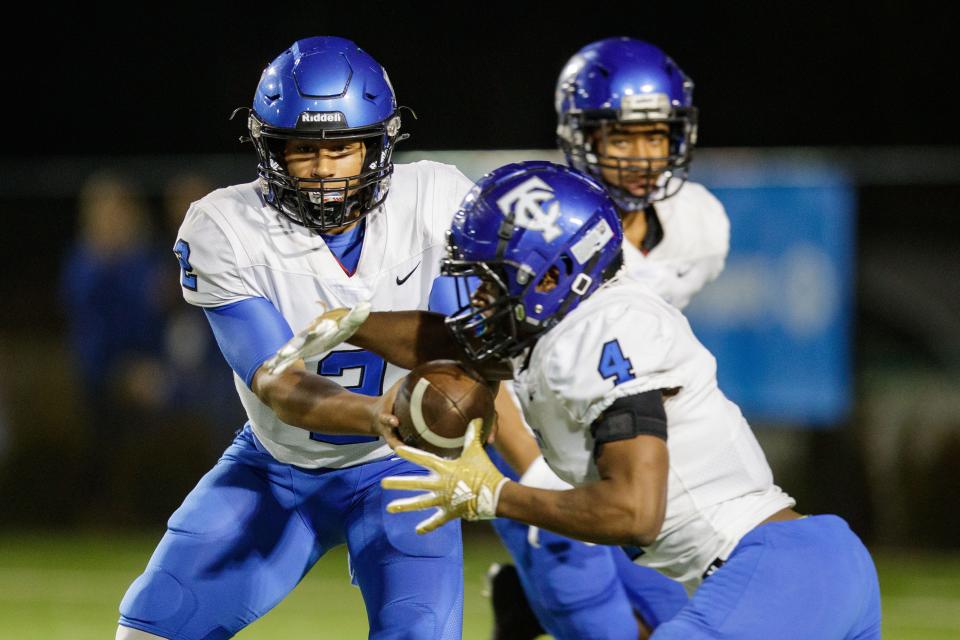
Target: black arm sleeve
point(631, 416)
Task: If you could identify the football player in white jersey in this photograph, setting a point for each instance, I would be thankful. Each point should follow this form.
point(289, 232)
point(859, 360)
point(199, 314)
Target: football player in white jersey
point(626, 408)
point(329, 222)
point(625, 116)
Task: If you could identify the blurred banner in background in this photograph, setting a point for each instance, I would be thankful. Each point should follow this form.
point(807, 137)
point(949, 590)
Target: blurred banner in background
point(779, 317)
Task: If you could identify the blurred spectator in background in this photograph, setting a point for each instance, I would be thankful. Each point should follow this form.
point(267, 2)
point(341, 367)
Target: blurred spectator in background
point(110, 284)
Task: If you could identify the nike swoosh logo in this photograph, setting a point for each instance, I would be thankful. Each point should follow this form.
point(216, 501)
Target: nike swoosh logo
point(400, 280)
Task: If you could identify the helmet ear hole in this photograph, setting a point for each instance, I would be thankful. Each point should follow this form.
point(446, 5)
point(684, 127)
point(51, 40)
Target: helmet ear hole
point(549, 280)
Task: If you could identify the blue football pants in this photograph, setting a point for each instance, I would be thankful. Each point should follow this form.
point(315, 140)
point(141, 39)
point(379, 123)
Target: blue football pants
point(582, 591)
point(809, 578)
point(253, 527)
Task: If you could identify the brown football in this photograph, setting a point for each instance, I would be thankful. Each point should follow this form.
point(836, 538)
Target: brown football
point(436, 403)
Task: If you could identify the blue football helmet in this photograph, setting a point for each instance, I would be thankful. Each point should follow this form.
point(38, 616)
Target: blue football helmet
point(325, 88)
point(540, 238)
point(612, 85)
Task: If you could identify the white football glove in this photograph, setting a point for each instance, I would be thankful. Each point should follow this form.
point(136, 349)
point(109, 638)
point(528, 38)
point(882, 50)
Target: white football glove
point(323, 334)
point(467, 487)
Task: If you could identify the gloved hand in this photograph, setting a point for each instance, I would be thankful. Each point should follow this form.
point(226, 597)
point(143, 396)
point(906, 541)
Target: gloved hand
point(467, 487)
point(323, 334)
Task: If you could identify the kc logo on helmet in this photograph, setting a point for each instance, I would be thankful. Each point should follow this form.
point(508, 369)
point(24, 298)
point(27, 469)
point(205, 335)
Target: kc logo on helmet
point(524, 202)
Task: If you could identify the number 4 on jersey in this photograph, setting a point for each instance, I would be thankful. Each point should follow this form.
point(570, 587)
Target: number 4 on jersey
point(614, 365)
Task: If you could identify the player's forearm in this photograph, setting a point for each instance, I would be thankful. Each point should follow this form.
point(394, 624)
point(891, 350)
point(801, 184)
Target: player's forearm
point(410, 338)
point(592, 513)
point(312, 402)
point(406, 338)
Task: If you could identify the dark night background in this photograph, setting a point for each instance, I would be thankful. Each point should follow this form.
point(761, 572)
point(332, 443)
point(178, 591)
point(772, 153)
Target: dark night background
point(480, 75)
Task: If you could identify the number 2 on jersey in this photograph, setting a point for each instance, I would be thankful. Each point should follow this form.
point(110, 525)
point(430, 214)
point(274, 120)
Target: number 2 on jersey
point(372, 369)
point(187, 278)
point(614, 365)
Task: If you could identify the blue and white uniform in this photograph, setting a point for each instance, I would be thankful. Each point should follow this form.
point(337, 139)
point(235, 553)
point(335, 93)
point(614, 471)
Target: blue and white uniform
point(626, 340)
point(578, 590)
point(281, 496)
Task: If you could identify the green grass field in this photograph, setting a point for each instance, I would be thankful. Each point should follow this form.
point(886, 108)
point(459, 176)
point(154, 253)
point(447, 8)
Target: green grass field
point(57, 586)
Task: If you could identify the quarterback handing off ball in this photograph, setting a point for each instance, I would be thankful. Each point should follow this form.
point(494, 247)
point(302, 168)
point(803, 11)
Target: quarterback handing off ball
point(435, 404)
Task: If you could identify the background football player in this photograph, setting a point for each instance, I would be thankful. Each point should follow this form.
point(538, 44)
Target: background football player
point(625, 116)
point(329, 222)
point(625, 404)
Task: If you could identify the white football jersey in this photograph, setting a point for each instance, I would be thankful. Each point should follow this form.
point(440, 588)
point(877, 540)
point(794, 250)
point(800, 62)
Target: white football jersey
point(625, 340)
point(240, 247)
point(696, 240)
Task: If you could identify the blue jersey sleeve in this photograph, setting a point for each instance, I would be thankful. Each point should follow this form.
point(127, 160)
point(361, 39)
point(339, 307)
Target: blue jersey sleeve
point(248, 332)
point(449, 294)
